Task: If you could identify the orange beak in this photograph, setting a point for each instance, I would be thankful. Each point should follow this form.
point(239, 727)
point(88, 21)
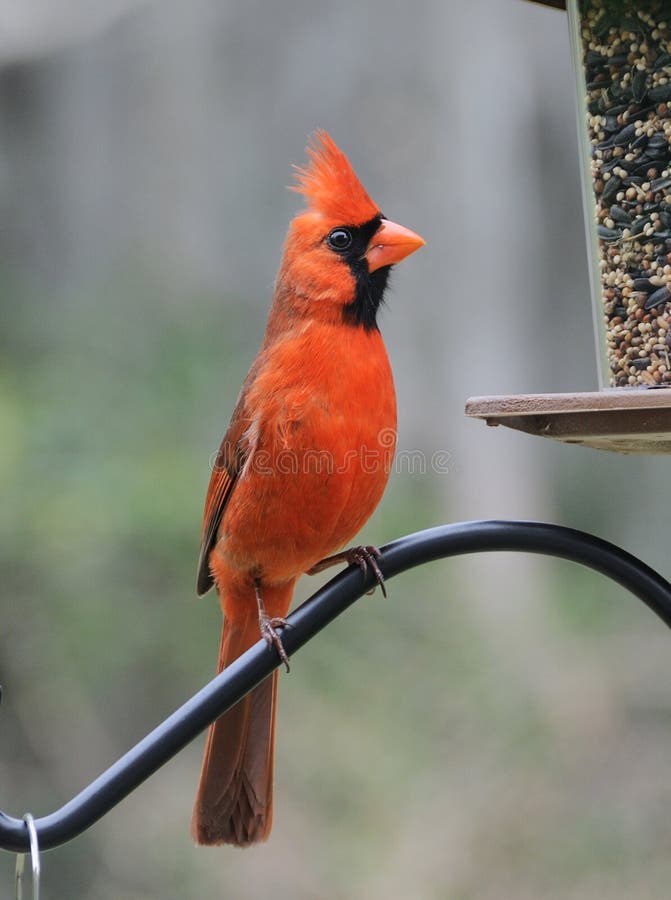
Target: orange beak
point(390, 244)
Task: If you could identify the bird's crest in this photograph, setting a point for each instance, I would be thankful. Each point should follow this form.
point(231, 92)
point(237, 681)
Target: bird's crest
point(330, 184)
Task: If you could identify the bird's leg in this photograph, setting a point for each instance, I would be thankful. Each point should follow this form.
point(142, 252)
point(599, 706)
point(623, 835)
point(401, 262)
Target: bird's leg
point(355, 556)
point(269, 624)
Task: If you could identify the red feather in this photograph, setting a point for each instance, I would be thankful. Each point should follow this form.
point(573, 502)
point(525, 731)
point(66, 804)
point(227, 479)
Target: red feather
point(330, 184)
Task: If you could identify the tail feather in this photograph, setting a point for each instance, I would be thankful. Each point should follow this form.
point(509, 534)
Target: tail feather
point(234, 801)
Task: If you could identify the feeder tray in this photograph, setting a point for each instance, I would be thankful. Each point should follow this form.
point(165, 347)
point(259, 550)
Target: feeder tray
point(626, 421)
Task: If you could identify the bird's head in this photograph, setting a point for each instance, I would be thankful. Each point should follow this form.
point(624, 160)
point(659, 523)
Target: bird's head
point(340, 249)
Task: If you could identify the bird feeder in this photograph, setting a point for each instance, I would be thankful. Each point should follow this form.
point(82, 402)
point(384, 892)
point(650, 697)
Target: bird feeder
point(621, 53)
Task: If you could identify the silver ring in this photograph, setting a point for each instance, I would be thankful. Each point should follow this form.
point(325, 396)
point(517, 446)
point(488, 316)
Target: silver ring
point(34, 859)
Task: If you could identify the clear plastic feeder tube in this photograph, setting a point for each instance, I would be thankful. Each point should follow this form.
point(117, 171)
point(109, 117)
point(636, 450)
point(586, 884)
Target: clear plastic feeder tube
point(622, 56)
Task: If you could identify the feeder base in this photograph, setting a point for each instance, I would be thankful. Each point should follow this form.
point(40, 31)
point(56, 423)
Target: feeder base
point(624, 420)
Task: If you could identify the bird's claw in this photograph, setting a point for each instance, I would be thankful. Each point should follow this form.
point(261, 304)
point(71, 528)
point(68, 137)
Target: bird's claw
point(363, 557)
point(366, 556)
point(267, 627)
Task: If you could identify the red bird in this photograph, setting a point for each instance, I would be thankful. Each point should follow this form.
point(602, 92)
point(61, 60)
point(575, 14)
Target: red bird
point(302, 466)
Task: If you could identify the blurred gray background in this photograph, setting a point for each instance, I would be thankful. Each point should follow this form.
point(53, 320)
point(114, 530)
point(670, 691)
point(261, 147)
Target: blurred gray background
point(500, 726)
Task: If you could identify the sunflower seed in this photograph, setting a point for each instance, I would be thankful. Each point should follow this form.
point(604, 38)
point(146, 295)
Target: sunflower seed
point(661, 295)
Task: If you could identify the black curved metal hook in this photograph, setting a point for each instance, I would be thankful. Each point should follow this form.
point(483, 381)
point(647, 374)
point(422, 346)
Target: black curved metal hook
point(259, 661)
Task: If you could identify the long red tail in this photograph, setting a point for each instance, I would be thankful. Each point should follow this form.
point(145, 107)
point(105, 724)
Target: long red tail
point(234, 802)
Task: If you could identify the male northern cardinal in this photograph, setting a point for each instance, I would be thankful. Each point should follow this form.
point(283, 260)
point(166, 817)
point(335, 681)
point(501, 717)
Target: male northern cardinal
point(302, 466)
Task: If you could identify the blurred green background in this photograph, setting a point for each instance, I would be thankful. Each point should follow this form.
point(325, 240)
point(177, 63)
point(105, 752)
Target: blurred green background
point(500, 726)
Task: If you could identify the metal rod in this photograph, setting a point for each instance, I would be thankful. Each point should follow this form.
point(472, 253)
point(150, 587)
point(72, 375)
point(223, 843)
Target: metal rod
point(316, 613)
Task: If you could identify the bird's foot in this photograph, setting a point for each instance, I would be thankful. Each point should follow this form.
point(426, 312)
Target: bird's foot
point(363, 557)
point(268, 626)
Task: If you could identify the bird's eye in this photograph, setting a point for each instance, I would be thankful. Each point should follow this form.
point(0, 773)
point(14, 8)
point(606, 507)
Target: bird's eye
point(339, 239)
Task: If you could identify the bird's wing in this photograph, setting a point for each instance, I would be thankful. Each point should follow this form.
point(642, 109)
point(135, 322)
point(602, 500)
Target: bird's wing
point(230, 460)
